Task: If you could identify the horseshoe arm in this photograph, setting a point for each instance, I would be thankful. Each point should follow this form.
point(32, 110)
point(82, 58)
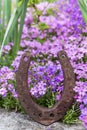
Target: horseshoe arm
point(40, 114)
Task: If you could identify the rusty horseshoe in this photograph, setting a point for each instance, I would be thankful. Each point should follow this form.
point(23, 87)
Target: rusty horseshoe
point(41, 114)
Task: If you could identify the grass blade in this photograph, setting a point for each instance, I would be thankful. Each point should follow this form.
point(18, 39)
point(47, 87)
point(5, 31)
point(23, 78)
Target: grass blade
point(22, 18)
point(0, 8)
point(20, 11)
point(8, 6)
point(19, 33)
point(11, 25)
point(83, 7)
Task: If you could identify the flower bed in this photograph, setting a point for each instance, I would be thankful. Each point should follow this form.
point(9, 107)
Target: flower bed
point(48, 28)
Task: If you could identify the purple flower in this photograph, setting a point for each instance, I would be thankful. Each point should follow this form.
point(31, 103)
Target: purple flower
point(85, 100)
point(6, 48)
point(58, 97)
point(39, 89)
point(3, 92)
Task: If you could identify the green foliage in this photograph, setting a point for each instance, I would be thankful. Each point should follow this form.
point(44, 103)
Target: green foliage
point(72, 114)
point(8, 8)
point(50, 11)
point(5, 13)
point(85, 58)
point(13, 32)
point(48, 100)
point(9, 103)
point(38, 12)
point(41, 40)
point(50, 1)
point(13, 29)
point(6, 60)
point(83, 7)
point(43, 26)
point(1, 101)
point(31, 2)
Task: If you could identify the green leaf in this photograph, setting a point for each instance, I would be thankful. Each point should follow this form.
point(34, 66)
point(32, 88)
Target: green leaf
point(18, 33)
point(50, 1)
point(38, 12)
point(31, 2)
point(23, 14)
point(19, 12)
point(43, 26)
point(83, 7)
point(50, 11)
point(0, 8)
point(5, 13)
point(10, 27)
point(72, 115)
point(8, 6)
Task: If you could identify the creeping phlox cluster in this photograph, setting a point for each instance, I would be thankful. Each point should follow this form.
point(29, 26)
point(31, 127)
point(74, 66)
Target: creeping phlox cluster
point(6, 81)
point(49, 28)
point(46, 77)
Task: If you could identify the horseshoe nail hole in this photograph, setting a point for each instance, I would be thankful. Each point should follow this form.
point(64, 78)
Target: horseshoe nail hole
point(34, 114)
point(70, 92)
point(51, 115)
point(63, 56)
point(25, 58)
point(65, 107)
point(28, 108)
point(23, 100)
point(40, 115)
point(58, 113)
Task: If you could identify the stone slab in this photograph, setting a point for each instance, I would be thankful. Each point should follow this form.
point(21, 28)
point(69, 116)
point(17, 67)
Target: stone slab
point(18, 121)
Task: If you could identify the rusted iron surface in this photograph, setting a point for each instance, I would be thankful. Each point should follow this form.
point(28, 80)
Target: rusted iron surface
point(40, 114)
